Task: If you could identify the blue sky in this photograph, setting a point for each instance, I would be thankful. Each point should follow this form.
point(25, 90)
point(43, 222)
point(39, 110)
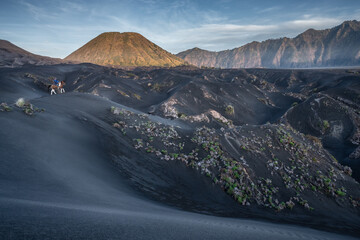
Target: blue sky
point(58, 27)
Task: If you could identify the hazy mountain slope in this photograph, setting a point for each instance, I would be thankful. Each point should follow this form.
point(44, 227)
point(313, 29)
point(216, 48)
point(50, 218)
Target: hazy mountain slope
point(11, 56)
point(199, 57)
point(124, 49)
point(338, 46)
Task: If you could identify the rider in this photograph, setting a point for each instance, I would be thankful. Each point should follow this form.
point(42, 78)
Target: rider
point(56, 82)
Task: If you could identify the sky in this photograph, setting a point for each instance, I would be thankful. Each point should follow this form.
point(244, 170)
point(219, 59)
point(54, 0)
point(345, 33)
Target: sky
point(56, 28)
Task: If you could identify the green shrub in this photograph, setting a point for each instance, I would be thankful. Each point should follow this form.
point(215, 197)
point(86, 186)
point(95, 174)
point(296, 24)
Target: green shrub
point(28, 111)
point(131, 75)
point(20, 102)
point(340, 193)
point(123, 93)
point(156, 87)
point(112, 109)
point(137, 96)
point(229, 110)
point(5, 107)
point(326, 125)
point(181, 115)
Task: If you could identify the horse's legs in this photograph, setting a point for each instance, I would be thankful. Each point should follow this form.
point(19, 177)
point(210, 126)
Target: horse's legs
point(52, 91)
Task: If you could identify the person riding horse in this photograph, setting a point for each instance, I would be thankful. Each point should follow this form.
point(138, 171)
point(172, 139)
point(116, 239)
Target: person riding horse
point(56, 82)
point(58, 85)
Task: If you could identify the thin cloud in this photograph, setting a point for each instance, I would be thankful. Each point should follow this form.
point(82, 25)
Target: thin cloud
point(71, 7)
point(234, 28)
point(314, 23)
point(270, 9)
point(37, 12)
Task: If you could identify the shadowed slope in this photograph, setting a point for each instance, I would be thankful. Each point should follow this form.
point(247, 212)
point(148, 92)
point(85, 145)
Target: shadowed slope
point(78, 193)
point(169, 156)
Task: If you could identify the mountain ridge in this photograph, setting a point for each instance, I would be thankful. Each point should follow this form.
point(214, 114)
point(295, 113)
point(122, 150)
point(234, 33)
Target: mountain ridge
point(12, 56)
point(337, 46)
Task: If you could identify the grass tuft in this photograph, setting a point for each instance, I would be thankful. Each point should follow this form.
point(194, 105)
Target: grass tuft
point(229, 110)
point(20, 102)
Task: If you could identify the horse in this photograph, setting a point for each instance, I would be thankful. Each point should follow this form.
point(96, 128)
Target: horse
point(52, 87)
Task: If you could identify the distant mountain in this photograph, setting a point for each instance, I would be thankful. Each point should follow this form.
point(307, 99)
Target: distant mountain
point(12, 56)
point(124, 49)
point(338, 46)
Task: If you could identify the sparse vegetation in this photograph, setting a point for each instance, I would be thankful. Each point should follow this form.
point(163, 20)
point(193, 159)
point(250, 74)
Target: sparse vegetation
point(181, 115)
point(230, 110)
point(32, 76)
point(263, 100)
point(285, 175)
point(326, 125)
point(314, 139)
point(5, 107)
point(137, 96)
point(232, 174)
point(156, 87)
point(20, 102)
point(131, 75)
point(340, 192)
point(122, 93)
point(27, 107)
point(348, 170)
